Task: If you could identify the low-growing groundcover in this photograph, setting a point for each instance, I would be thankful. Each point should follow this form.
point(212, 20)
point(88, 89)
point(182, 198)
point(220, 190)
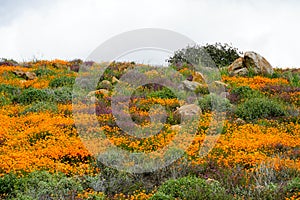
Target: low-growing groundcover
point(42, 156)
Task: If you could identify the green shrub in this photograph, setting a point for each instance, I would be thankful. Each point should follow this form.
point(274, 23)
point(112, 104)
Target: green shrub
point(9, 90)
point(164, 93)
point(41, 107)
point(202, 90)
point(62, 81)
point(111, 181)
point(256, 108)
point(293, 187)
point(237, 94)
point(39, 185)
point(214, 102)
point(294, 78)
point(243, 91)
point(161, 196)
point(32, 95)
point(192, 188)
point(63, 95)
point(44, 72)
point(4, 101)
point(7, 183)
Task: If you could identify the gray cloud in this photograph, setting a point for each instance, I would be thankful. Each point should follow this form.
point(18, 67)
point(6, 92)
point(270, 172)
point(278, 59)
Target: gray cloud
point(70, 29)
point(13, 9)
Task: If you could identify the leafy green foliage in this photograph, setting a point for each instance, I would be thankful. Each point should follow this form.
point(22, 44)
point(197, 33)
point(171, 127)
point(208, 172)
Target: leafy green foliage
point(39, 185)
point(294, 78)
point(293, 186)
point(44, 72)
point(4, 101)
point(256, 108)
point(112, 181)
point(161, 196)
point(41, 107)
point(32, 95)
point(214, 102)
point(191, 188)
point(164, 93)
point(238, 94)
point(62, 81)
point(9, 90)
point(63, 95)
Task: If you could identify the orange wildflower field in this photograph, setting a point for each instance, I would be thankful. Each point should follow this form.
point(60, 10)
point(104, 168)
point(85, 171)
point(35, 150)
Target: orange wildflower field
point(43, 155)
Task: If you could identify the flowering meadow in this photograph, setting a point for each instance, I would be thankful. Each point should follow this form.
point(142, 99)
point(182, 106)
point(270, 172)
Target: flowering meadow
point(43, 156)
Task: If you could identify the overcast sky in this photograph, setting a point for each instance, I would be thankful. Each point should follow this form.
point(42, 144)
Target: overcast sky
point(68, 29)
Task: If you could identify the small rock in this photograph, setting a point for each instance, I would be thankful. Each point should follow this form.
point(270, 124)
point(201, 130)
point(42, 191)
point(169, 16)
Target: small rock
point(25, 75)
point(251, 61)
point(93, 99)
point(258, 63)
point(190, 85)
point(102, 91)
point(224, 94)
point(175, 128)
point(189, 110)
point(221, 84)
point(105, 84)
point(30, 75)
point(237, 64)
point(239, 121)
point(198, 77)
point(115, 80)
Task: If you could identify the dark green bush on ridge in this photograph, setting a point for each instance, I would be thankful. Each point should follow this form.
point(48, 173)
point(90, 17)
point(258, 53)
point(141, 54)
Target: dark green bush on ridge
point(221, 54)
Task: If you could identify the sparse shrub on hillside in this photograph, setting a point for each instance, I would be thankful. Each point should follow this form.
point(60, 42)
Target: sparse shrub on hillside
point(293, 77)
point(192, 188)
point(111, 182)
point(9, 90)
point(44, 72)
point(41, 107)
point(293, 187)
point(62, 81)
point(63, 95)
point(39, 185)
point(260, 108)
point(214, 102)
point(4, 101)
point(243, 92)
point(221, 54)
point(164, 93)
point(161, 196)
point(32, 95)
